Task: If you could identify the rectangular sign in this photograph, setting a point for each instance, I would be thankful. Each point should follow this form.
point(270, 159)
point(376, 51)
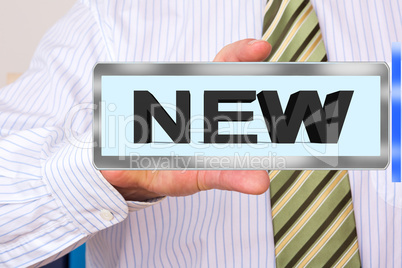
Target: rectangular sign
point(241, 116)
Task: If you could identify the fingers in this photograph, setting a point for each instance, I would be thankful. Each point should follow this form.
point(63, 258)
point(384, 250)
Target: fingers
point(244, 181)
point(142, 185)
point(247, 181)
point(247, 50)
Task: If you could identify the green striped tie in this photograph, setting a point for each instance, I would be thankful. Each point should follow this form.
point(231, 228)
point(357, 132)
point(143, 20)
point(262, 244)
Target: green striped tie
point(312, 211)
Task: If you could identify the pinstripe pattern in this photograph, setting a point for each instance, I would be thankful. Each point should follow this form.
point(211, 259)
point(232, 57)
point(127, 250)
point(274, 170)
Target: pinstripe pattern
point(212, 228)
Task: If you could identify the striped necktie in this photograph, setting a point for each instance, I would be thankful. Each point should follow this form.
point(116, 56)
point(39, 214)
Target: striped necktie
point(312, 211)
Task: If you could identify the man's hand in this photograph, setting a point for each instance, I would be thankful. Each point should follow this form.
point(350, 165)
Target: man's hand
point(145, 184)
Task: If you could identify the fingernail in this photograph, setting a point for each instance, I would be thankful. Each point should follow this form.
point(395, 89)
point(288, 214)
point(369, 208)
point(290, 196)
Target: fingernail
point(252, 42)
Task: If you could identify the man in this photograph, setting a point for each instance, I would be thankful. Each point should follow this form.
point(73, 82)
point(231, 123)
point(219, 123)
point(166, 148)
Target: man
point(52, 199)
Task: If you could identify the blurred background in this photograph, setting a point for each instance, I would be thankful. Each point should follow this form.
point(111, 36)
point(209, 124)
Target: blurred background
point(22, 25)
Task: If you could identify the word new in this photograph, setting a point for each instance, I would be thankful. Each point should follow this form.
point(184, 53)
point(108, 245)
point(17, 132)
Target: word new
point(323, 123)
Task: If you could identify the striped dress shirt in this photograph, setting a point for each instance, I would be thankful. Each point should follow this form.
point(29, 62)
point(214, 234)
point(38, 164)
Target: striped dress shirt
point(52, 199)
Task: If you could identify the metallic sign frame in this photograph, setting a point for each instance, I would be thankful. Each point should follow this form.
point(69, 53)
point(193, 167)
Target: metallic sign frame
point(241, 69)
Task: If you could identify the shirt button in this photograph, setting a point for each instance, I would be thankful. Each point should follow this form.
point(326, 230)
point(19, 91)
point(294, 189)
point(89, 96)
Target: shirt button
point(106, 215)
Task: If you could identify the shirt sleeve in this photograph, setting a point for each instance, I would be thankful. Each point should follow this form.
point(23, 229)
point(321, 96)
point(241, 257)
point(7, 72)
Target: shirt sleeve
point(51, 197)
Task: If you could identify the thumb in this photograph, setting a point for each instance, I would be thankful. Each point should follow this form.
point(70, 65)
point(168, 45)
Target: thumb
point(244, 51)
point(244, 181)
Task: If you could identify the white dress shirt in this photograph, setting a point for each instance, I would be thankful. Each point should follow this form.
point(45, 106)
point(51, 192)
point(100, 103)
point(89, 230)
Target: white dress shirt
point(52, 199)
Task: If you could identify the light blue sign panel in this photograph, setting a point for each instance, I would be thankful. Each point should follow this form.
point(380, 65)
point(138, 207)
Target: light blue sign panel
point(361, 127)
point(363, 141)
